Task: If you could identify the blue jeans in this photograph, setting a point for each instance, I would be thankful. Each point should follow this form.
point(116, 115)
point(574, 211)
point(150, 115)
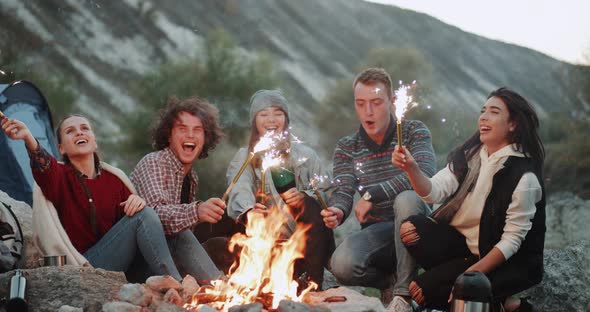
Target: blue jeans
point(375, 256)
point(142, 232)
point(191, 258)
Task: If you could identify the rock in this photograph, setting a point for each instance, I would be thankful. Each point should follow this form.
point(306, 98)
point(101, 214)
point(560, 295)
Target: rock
point(206, 308)
point(168, 307)
point(162, 283)
point(173, 297)
point(49, 288)
point(354, 301)
point(189, 287)
point(67, 308)
point(290, 306)
point(331, 282)
point(566, 279)
point(251, 307)
point(157, 297)
point(30, 255)
point(119, 306)
point(567, 222)
point(136, 294)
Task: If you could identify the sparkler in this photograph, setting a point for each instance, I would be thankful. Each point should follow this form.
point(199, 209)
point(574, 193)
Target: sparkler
point(2, 116)
point(313, 183)
point(403, 102)
point(265, 143)
point(271, 158)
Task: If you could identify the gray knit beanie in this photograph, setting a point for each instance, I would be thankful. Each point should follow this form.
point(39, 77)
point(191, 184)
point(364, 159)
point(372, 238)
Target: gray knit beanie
point(263, 99)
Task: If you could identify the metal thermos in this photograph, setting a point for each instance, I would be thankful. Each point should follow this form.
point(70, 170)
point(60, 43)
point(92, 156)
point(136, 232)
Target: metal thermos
point(17, 301)
point(472, 293)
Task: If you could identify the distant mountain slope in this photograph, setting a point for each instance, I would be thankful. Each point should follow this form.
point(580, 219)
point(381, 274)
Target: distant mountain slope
point(105, 45)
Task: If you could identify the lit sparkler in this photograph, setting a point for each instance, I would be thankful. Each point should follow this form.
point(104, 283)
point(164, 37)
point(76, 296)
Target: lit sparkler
point(266, 142)
point(314, 182)
point(403, 102)
point(271, 158)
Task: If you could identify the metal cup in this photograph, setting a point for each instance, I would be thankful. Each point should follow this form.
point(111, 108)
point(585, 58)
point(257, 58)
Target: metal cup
point(55, 260)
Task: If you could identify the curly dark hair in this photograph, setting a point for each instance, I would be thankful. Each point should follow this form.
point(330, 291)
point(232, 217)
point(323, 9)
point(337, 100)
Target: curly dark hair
point(195, 106)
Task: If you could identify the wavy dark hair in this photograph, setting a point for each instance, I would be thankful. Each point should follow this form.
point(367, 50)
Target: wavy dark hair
point(195, 106)
point(525, 136)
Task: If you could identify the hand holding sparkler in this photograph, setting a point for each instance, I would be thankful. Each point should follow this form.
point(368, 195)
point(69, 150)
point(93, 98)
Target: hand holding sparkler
point(402, 158)
point(17, 130)
point(332, 217)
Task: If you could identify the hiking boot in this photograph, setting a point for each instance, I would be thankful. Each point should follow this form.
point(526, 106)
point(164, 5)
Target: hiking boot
point(399, 304)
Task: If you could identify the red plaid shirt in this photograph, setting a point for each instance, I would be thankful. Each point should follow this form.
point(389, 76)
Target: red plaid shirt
point(158, 179)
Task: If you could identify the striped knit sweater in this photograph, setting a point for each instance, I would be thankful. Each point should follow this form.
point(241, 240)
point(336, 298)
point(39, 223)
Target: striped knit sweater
point(362, 165)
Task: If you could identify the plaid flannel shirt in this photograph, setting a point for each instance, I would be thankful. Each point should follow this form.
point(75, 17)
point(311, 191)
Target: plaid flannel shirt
point(158, 179)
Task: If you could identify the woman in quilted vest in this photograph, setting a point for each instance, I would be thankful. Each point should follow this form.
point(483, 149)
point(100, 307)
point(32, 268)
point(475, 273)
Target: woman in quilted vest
point(492, 219)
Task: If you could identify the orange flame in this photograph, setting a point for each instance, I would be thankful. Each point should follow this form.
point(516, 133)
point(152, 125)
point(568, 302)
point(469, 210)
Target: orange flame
point(265, 269)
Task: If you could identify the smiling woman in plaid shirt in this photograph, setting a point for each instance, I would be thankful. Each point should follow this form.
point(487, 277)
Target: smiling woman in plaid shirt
point(185, 132)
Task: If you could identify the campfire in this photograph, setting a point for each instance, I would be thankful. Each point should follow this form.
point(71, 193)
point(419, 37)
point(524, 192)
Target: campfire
point(264, 271)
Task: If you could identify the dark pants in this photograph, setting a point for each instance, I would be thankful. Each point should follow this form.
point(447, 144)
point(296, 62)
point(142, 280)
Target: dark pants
point(442, 252)
point(320, 242)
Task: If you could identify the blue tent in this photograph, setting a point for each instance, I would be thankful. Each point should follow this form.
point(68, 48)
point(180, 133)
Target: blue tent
point(22, 100)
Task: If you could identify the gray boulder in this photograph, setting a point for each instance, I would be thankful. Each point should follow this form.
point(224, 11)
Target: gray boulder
point(565, 285)
point(568, 217)
point(49, 288)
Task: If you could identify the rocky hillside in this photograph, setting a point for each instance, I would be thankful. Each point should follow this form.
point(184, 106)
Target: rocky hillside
point(105, 45)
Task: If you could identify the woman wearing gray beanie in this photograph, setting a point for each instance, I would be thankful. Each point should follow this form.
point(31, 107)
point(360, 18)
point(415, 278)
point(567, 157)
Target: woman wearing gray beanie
point(288, 189)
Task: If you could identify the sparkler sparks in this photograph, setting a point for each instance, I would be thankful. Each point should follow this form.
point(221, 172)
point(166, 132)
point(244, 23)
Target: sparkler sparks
point(267, 142)
point(403, 102)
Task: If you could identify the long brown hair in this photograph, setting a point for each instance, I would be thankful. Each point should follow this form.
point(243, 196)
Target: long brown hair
point(525, 135)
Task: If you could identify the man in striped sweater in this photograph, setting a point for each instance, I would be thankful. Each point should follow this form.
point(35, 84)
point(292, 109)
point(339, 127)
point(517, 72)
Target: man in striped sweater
point(375, 256)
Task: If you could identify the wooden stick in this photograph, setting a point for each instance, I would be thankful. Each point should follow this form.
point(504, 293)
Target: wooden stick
point(237, 177)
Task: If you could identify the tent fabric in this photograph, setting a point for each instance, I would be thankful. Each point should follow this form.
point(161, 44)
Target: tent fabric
point(22, 100)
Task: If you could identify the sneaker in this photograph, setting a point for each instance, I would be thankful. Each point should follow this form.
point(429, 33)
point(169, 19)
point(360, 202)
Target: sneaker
point(398, 304)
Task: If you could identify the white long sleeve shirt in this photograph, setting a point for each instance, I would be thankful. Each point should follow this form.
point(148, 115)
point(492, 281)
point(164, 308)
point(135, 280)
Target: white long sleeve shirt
point(520, 211)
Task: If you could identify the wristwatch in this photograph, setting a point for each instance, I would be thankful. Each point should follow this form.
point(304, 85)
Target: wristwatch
point(367, 196)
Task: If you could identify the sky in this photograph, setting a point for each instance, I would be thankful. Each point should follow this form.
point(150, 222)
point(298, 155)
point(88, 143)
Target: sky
point(560, 29)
